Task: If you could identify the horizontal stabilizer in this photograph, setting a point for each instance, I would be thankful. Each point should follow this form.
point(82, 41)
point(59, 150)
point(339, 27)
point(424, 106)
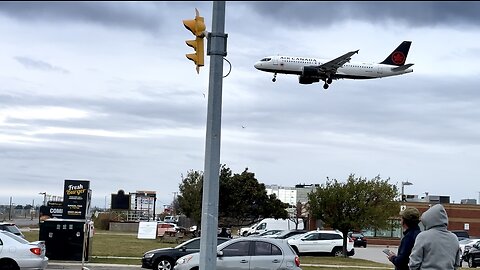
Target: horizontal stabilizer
point(401, 68)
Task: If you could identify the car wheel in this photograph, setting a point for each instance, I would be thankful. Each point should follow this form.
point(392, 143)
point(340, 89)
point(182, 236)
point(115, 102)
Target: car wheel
point(471, 263)
point(163, 264)
point(9, 265)
point(337, 252)
point(365, 246)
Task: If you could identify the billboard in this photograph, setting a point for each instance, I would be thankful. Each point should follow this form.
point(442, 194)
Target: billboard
point(76, 199)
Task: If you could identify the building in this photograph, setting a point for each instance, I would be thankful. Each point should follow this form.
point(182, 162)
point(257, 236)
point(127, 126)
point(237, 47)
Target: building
point(291, 195)
point(460, 217)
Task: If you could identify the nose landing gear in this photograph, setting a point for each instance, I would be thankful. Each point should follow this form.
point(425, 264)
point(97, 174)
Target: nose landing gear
point(274, 77)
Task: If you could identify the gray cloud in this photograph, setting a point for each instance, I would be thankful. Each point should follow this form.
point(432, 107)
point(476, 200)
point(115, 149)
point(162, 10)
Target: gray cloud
point(419, 14)
point(137, 15)
point(40, 65)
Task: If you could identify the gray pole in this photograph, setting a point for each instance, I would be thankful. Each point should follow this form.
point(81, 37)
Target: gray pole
point(209, 225)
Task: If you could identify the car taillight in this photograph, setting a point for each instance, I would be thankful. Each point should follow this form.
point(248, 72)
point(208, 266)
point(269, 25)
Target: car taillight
point(36, 251)
point(350, 240)
point(297, 261)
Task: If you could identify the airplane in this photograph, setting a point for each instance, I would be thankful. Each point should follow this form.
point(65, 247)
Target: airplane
point(312, 70)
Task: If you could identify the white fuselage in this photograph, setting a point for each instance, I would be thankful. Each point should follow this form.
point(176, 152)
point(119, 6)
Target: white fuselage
point(350, 70)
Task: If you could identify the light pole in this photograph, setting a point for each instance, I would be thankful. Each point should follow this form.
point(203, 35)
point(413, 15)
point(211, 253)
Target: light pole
point(44, 197)
point(405, 183)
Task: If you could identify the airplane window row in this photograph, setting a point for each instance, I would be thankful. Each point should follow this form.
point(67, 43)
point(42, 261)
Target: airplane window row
point(308, 62)
point(358, 66)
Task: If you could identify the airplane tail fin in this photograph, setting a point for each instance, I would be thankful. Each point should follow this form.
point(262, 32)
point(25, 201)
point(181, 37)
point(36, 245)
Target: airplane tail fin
point(399, 55)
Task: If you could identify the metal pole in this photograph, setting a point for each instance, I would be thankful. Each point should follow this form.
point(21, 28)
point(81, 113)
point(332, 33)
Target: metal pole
point(209, 224)
point(402, 192)
point(10, 211)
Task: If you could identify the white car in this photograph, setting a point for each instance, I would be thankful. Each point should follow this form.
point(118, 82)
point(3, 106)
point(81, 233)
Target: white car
point(322, 241)
point(18, 253)
point(467, 243)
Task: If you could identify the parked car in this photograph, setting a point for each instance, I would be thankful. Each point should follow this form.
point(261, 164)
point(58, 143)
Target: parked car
point(322, 241)
point(467, 243)
point(18, 253)
point(11, 227)
point(170, 219)
point(164, 258)
point(359, 240)
point(287, 234)
point(472, 255)
point(166, 229)
point(259, 252)
point(268, 234)
point(461, 234)
point(224, 232)
point(244, 231)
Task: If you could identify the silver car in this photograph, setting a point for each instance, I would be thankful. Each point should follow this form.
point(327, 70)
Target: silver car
point(18, 253)
point(248, 253)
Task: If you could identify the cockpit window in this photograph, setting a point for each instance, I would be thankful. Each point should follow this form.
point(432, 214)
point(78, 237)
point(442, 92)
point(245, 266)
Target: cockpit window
point(266, 59)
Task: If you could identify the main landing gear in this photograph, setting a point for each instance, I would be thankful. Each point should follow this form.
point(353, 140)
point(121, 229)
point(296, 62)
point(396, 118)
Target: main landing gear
point(274, 77)
point(327, 82)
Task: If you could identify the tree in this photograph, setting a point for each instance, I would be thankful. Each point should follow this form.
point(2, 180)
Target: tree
point(244, 199)
point(298, 214)
point(241, 198)
point(358, 203)
point(190, 197)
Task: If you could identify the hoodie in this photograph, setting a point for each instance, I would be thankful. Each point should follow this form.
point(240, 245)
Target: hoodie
point(436, 247)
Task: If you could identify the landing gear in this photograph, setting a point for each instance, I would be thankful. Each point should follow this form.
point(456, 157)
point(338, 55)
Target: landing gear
point(274, 77)
point(325, 86)
point(329, 80)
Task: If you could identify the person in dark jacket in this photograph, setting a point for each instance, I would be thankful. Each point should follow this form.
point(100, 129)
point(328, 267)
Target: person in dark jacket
point(410, 219)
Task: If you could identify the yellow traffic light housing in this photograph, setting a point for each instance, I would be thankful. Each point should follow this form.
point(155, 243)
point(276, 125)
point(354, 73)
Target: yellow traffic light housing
point(197, 27)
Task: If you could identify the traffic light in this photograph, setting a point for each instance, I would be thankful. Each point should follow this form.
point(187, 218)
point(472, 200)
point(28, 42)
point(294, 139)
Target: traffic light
point(197, 27)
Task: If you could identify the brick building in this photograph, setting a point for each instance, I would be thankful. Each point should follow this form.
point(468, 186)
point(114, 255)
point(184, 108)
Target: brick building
point(460, 217)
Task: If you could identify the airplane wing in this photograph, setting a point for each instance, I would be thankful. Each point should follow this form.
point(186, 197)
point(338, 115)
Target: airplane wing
point(331, 67)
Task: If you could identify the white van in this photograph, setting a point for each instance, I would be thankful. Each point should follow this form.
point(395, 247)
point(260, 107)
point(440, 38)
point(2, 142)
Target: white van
point(268, 224)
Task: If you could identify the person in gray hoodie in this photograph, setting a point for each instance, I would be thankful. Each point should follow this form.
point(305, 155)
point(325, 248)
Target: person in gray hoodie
point(435, 248)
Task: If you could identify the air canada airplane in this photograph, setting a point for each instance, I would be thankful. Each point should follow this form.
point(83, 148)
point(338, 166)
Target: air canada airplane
point(312, 70)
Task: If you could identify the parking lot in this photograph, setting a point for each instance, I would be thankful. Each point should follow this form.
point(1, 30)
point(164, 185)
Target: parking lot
point(371, 253)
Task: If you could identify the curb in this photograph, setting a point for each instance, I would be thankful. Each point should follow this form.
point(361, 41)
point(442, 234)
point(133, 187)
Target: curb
point(345, 266)
point(60, 263)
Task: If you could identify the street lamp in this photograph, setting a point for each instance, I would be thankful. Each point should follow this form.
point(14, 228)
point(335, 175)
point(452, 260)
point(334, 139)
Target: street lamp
point(44, 197)
point(405, 183)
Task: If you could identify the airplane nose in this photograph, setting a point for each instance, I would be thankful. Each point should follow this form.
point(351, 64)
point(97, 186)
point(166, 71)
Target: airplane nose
point(257, 65)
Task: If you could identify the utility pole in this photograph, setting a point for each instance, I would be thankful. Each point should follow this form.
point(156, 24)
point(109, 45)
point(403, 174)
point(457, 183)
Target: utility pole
point(218, 49)
point(10, 211)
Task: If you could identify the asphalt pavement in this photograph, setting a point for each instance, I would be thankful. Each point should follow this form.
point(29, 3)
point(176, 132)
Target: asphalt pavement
point(371, 253)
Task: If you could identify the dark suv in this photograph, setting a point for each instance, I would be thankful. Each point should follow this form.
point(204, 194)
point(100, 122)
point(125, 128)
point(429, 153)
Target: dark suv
point(359, 240)
point(11, 227)
point(165, 258)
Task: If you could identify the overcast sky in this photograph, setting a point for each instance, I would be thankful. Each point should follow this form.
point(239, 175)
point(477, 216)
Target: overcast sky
point(103, 91)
